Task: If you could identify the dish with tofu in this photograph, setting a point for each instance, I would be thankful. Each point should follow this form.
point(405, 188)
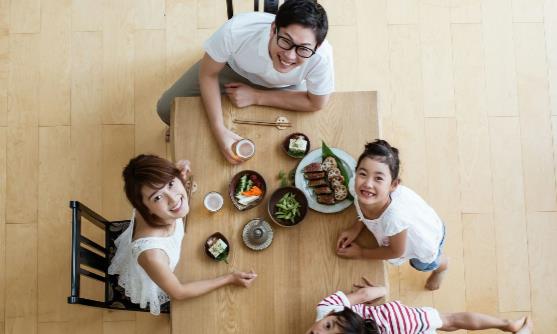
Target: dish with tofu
point(217, 247)
point(296, 145)
point(247, 189)
point(322, 181)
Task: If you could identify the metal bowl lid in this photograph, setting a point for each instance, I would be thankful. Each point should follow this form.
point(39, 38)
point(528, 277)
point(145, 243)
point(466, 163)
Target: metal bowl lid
point(257, 234)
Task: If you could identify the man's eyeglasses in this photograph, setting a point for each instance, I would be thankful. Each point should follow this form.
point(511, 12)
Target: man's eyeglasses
point(287, 44)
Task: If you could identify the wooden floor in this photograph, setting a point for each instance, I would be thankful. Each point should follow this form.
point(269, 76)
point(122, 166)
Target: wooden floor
point(467, 90)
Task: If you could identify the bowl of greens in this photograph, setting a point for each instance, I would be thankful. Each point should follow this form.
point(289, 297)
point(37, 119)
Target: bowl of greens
point(287, 206)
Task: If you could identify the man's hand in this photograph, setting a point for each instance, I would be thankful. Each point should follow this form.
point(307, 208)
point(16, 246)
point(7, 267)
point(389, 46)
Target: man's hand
point(225, 139)
point(241, 95)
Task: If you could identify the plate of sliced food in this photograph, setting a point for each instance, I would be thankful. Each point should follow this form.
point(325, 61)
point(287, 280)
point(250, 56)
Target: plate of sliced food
point(323, 176)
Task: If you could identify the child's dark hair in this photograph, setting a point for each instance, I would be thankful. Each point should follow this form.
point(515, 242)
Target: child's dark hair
point(151, 171)
point(380, 150)
point(307, 13)
point(352, 323)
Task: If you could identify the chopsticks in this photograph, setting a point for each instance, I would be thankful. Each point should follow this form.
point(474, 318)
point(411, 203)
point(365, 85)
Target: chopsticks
point(263, 123)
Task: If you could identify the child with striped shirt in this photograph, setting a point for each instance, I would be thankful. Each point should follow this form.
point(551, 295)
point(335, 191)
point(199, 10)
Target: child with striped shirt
point(352, 314)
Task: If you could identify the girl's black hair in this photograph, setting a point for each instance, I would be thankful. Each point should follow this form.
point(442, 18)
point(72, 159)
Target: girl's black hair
point(352, 323)
point(380, 150)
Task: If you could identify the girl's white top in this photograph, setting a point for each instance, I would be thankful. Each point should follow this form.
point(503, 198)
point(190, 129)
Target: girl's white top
point(137, 284)
point(407, 211)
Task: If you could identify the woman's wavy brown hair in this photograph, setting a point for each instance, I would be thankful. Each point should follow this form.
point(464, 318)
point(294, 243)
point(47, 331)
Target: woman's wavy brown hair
point(151, 171)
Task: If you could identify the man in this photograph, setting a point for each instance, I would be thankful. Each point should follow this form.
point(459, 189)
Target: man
point(257, 58)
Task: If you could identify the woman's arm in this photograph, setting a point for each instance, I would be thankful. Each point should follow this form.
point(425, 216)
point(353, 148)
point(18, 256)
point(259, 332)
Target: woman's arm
point(155, 263)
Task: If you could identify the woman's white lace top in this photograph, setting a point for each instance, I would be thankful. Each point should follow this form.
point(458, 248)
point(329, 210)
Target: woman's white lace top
point(138, 285)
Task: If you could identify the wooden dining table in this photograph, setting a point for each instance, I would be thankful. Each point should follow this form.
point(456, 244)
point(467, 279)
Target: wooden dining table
point(300, 267)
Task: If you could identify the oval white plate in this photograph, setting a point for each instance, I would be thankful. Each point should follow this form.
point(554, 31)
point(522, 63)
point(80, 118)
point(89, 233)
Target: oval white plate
point(302, 184)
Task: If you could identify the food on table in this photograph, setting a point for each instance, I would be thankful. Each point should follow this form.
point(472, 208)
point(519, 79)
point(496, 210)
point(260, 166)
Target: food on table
point(287, 208)
point(317, 183)
point(329, 163)
point(322, 190)
point(314, 176)
point(297, 146)
point(218, 248)
point(327, 179)
point(313, 167)
point(326, 199)
point(341, 192)
point(248, 189)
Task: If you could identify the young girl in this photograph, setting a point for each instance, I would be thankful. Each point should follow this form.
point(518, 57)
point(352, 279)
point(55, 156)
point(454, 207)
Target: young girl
point(350, 314)
point(405, 226)
point(149, 249)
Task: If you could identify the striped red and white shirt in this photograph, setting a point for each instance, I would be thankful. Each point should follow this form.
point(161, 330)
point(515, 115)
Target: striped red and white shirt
point(392, 317)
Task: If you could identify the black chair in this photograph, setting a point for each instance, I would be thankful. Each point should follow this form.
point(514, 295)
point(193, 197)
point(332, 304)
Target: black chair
point(99, 260)
point(269, 6)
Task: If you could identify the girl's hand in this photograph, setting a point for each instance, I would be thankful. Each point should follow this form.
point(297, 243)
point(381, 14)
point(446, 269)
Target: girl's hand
point(353, 251)
point(242, 278)
point(368, 291)
point(347, 237)
point(185, 168)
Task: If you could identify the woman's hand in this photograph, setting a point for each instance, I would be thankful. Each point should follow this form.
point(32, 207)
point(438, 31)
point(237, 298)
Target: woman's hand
point(242, 278)
point(185, 168)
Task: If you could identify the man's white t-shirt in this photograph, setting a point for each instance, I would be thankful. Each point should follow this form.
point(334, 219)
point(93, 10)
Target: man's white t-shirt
point(243, 43)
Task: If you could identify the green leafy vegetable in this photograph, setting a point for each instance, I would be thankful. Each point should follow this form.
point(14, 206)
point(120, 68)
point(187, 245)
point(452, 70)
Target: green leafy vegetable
point(288, 208)
point(283, 179)
point(327, 152)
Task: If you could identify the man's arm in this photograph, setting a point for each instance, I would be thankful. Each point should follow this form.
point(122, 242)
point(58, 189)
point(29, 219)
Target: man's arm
point(243, 95)
point(210, 94)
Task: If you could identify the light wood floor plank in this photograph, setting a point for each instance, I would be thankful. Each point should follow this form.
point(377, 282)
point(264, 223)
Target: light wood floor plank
point(54, 327)
point(509, 220)
point(180, 27)
point(4, 70)
point(437, 59)
point(23, 92)
point(340, 13)
point(87, 80)
point(3, 161)
point(87, 15)
point(55, 51)
point(403, 11)
point(527, 10)
point(550, 29)
point(346, 63)
point(117, 151)
point(25, 16)
point(466, 11)
point(535, 123)
point(373, 54)
point(406, 106)
point(542, 232)
point(480, 263)
point(149, 84)
point(21, 277)
point(149, 14)
point(444, 198)
point(471, 115)
point(54, 224)
point(118, 63)
point(207, 13)
point(22, 174)
point(498, 47)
